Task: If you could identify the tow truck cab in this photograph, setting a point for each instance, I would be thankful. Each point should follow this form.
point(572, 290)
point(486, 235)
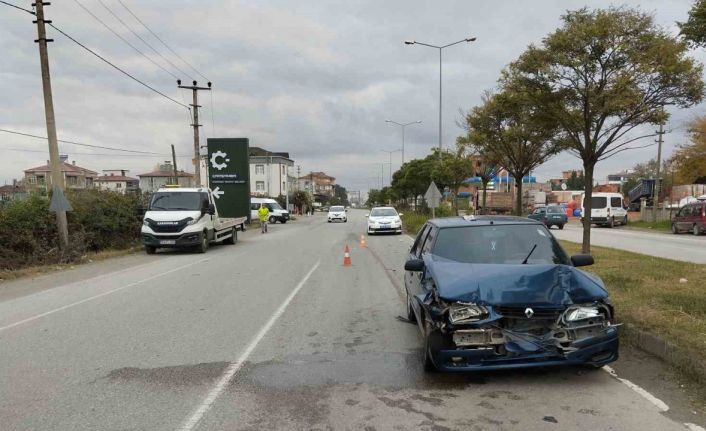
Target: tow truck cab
point(181, 217)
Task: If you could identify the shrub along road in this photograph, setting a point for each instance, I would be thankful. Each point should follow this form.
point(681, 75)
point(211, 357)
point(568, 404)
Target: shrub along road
point(272, 333)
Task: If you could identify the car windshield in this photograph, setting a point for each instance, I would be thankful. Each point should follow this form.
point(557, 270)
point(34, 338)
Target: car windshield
point(499, 244)
point(336, 209)
point(555, 210)
point(177, 201)
point(383, 212)
point(599, 202)
point(274, 206)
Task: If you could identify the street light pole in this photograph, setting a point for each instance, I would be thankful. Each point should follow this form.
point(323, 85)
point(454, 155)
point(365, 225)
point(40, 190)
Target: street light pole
point(390, 153)
point(440, 48)
point(403, 125)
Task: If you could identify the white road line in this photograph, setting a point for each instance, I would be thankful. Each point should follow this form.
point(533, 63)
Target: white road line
point(693, 427)
point(229, 374)
point(648, 396)
point(100, 295)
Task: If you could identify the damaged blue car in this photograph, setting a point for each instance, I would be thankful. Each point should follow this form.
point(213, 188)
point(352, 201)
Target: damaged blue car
point(497, 292)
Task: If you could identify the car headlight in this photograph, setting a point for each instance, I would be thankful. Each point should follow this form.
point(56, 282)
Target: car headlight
point(465, 311)
point(581, 313)
point(190, 221)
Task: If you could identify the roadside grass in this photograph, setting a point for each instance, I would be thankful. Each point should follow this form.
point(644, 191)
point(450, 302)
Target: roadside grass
point(412, 222)
point(648, 295)
point(660, 226)
point(33, 271)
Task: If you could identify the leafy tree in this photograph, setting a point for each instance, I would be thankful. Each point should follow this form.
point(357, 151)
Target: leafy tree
point(694, 29)
point(509, 129)
point(340, 196)
point(689, 161)
point(602, 74)
point(452, 170)
point(302, 199)
point(576, 181)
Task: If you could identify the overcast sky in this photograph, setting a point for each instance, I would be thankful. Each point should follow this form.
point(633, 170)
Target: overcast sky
point(316, 78)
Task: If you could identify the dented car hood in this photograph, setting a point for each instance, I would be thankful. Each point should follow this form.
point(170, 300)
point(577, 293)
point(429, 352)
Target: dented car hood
point(521, 285)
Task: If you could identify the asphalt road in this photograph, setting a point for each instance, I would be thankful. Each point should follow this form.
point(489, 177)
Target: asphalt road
point(271, 333)
point(684, 247)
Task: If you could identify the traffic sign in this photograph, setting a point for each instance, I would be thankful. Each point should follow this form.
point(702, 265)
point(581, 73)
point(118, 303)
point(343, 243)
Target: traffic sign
point(228, 175)
point(432, 196)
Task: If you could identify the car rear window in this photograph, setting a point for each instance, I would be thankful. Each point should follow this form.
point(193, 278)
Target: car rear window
point(500, 244)
point(555, 210)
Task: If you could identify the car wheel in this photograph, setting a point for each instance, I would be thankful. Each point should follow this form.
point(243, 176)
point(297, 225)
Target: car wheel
point(625, 220)
point(284, 221)
point(329, 221)
point(561, 226)
point(273, 219)
point(150, 250)
point(233, 238)
point(410, 311)
point(696, 230)
point(427, 362)
point(611, 223)
point(345, 220)
point(203, 247)
point(674, 229)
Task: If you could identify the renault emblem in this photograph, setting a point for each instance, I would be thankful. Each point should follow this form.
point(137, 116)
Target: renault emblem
point(529, 312)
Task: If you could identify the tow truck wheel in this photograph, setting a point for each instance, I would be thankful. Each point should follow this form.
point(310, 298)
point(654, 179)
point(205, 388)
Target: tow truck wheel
point(273, 219)
point(696, 231)
point(150, 249)
point(611, 223)
point(625, 220)
point(203, 246)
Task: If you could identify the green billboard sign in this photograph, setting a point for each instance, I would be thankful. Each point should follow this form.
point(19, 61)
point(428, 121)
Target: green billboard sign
point(229, 175)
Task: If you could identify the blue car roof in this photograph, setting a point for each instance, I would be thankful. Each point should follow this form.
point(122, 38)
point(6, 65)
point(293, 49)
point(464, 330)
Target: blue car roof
point(480, 220)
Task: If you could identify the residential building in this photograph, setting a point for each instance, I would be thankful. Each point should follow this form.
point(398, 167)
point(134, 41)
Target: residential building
point(74, 177)
point(117, 181)
point(11, 192)
point(318, 183)
point(269, 172)
point(565, 176)
point(163, 174)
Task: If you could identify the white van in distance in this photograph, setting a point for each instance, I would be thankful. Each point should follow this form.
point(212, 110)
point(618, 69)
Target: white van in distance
point(277, 213)
point(607, 209)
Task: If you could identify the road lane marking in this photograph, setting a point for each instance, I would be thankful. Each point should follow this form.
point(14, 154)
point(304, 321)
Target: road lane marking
point(100, 295)
point(693, 427)
point(229, 374)
point(661, 405)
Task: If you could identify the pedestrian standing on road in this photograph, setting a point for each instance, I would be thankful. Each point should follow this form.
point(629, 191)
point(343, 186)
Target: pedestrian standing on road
point(263, 213)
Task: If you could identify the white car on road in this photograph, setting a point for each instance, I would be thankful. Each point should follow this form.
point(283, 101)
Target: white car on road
point(384, 219)
point(337, 213)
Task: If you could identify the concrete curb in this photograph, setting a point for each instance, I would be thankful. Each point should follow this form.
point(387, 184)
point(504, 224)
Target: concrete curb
point(655, 345)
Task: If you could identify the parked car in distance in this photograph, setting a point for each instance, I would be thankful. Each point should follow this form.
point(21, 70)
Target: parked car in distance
point(607, 209)
point(277, 213)
point(337, 213)
point(690, 218)
point(498, 292)
point(552, 215)
point(384, 219)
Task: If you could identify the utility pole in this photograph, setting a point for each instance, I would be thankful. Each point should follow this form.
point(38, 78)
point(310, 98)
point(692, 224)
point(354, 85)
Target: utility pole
point(174, 165)
point(658, 183)
point(59, 203)
point(299, 174)
point(195, 105)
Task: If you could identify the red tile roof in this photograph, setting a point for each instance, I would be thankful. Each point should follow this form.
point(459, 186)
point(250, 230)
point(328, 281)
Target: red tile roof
point(166, 174)
point(9, 188)
point(65, 167)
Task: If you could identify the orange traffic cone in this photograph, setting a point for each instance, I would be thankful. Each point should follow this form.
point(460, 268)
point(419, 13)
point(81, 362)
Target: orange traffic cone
point(362, 241)
point(347, 257)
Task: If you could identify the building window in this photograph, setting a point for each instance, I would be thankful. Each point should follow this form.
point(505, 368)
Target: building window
point(32, 180)
point(259, 186)
point(260, 170)
point(72, 181)
point(118, 185)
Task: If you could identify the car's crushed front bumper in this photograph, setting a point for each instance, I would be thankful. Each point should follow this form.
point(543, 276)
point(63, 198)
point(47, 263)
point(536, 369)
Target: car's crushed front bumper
point(594, 351)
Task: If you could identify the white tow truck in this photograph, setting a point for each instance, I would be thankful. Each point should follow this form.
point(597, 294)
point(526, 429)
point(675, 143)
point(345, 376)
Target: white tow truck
point(187, 218)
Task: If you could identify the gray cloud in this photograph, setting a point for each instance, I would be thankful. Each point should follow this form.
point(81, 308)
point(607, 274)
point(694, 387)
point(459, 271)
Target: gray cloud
point(316, 79)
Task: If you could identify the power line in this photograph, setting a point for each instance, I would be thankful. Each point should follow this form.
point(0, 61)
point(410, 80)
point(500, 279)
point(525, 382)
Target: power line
point(143, 40)
point(24, 150)
point(123, 39)
point(163, 42)
point(116, 67)
point(17, 7)
point(84, 145)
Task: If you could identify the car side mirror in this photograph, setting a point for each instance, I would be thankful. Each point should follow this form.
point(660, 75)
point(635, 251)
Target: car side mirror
point(416, 265)
point(582, 260)
point(367, 215)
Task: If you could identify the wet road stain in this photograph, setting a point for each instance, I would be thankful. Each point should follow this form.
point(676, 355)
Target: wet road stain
point(180, 375)
point(409, 408)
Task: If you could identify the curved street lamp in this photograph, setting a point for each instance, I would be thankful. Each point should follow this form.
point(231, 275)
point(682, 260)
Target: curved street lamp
point(403, 125)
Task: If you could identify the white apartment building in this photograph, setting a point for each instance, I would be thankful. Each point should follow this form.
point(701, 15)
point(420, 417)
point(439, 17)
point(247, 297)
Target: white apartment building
point(270, 173)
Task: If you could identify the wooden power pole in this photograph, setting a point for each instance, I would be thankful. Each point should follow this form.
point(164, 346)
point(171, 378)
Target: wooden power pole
point(195, 105)
point(176, 175)
point(59, 203)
